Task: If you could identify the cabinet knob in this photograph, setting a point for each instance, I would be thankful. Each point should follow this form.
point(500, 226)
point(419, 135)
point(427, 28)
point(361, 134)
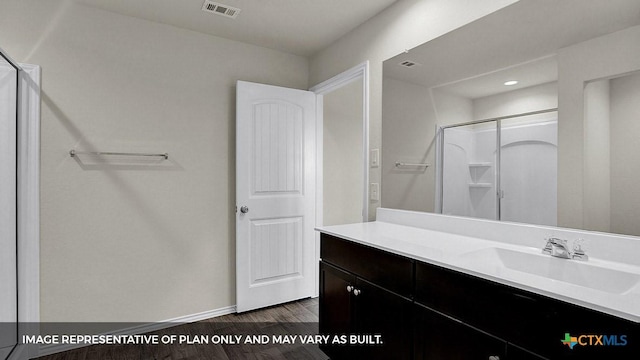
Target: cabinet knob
point(357, 292)
point(349, 288)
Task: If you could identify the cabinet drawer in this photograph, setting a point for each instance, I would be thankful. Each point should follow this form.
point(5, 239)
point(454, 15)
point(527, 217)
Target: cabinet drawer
point(531, 321)
point(512, 314)
point(475, 301)
point(437, 336)
point(387, 270)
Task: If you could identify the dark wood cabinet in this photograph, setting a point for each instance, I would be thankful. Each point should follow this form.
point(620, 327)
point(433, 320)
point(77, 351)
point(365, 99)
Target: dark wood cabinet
point(352, 304)
point(336, 307)
point(529, 322)
point(440, 337)
point(390, 271)
point(516, 353)
point(425, 311)
point(381, 312)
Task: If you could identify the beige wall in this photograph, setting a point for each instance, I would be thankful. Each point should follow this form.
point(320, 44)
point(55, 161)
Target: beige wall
point(602, 57)
point(148, 242)
point(597, 169)
point(625, 157)
point(533, 98)
point(611, 159)
point(343, 171)
point(409, 136)
point(404, 25)
point(138, 242)
point(452, 109)
point(580, 155)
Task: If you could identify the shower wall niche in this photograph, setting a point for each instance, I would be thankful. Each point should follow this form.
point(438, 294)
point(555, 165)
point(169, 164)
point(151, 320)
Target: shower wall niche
point(469, 171)
point(504, 169)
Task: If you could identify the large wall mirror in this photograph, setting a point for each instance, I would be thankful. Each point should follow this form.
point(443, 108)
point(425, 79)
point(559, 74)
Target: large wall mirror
point(530, 114)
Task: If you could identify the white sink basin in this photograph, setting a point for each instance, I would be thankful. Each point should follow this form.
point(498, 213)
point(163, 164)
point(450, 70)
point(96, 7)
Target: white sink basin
point(569, 271)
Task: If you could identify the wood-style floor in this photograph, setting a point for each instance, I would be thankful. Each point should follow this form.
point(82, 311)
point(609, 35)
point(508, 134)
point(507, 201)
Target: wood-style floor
point(299, 317)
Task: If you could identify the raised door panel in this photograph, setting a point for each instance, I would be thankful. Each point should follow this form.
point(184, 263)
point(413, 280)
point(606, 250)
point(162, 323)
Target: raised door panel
point(278, 154)
point(276, 249)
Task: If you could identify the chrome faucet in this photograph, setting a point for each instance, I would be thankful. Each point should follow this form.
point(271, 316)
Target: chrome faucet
point(558, 248)
point(578, 252)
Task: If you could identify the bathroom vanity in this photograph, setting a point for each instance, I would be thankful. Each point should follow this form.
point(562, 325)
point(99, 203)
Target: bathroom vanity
point(432, 294)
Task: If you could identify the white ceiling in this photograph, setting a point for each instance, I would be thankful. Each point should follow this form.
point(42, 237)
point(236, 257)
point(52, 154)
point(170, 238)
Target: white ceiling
point(531, 73)
point(301, 27)
point(525, 30)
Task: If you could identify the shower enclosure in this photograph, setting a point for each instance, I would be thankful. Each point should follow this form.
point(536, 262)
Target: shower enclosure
point(19, 205)
point(502, 168)
point(8, 205)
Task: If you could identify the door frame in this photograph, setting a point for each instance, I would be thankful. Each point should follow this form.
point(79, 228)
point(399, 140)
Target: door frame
point(360, 71)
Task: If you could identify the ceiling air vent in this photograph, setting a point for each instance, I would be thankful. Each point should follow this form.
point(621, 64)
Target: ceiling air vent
point(408, 63)
point(220, 9)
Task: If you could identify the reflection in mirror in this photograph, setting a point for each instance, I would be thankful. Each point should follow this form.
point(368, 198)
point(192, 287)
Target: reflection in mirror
point(502, 169)
point(612, 131)
point(551, 168)
point(468, 174)
point(528, 169)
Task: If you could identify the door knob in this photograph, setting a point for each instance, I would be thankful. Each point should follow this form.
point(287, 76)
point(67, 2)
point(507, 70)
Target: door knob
point(244, 209)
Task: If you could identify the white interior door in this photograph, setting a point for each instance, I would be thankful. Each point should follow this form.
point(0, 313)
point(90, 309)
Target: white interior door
point(8, 279)
point(275, 195)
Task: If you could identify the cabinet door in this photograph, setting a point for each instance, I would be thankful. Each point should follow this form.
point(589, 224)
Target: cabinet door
point(381, 312)
point(516, 353)
point(336, 307)
point(439, 337)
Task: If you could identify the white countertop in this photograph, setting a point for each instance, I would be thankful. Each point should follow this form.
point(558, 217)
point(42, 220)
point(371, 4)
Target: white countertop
point(460, 253)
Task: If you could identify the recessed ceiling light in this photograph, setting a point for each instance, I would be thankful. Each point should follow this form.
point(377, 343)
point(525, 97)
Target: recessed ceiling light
point(511, 82)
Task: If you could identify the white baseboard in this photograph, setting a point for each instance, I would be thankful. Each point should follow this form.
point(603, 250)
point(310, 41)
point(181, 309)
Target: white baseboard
point(144, 328)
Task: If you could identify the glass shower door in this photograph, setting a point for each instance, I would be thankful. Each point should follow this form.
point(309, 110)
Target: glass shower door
point(529, 169)
point(8, 271)
point(515, 181)
point(469, 171)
